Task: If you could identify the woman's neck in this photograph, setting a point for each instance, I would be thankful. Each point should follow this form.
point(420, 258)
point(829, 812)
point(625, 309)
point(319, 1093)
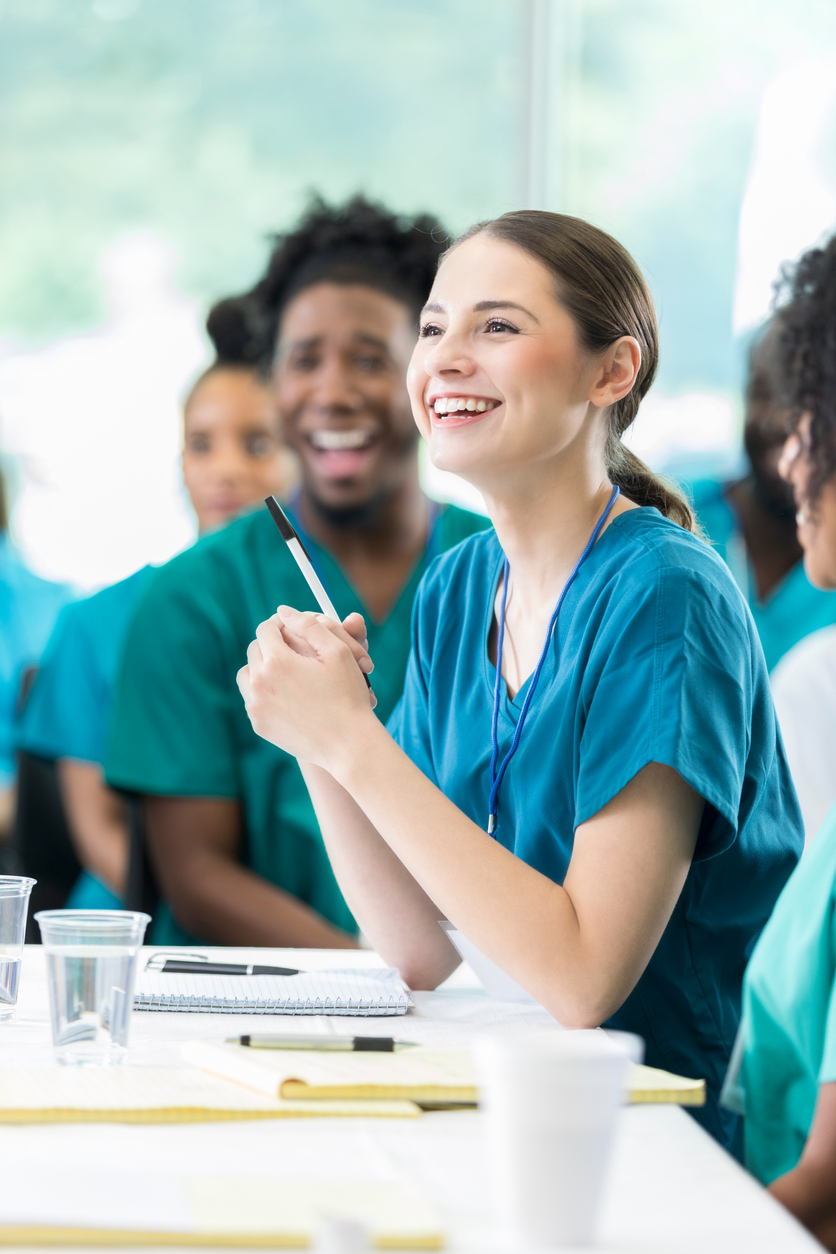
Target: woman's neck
point(544, 529)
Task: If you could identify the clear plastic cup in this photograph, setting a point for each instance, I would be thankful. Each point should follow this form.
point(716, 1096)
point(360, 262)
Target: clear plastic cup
point(91, 958)
point(552, 1102)
point(14, 907)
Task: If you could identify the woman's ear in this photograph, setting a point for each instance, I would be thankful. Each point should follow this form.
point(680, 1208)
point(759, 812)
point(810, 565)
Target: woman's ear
point(619, 369)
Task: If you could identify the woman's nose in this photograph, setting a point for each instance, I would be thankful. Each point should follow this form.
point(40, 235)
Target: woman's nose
point(448, 355)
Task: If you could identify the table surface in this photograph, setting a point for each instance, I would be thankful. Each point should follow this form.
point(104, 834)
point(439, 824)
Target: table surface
point(670, 1188)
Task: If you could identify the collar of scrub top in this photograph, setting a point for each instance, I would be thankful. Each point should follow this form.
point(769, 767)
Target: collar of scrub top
point(497, 774)
point(433, 549)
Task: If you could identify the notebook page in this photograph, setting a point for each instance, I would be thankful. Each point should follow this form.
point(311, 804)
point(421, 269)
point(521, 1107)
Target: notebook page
point(354, 992)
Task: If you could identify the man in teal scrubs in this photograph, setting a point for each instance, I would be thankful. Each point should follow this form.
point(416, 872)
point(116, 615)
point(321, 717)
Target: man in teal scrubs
point(751, 522)
point(232, 833)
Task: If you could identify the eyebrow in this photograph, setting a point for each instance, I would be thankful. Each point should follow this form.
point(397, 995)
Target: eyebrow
point(361, 337)
point(484, 306)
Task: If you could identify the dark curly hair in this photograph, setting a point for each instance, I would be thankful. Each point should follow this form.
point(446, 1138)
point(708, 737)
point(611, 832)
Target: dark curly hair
point(356, 242)
point(805, 295)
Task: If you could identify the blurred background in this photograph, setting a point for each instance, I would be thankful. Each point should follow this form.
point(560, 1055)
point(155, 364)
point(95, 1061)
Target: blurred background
point(148, 148)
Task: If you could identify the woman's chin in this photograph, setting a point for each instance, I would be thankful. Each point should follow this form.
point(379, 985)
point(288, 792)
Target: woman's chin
point(820, 564)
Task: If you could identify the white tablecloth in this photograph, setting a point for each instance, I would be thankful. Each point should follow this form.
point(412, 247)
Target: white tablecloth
point(671, 1188)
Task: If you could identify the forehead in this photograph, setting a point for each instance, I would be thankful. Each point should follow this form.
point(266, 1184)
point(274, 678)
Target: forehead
point(485, 268)
point(227, 396)
point(335, 311)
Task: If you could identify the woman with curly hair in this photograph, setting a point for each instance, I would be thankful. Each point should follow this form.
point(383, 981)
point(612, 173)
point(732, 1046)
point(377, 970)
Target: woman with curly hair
point(787, 1070)
point(231, 830)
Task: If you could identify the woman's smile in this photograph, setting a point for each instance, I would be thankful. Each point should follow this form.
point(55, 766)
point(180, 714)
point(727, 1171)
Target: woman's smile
point(457, 409)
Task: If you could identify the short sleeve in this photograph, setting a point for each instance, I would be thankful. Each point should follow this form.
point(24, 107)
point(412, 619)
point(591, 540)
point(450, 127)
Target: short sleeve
point(66, 712)
point(409, 723)
point(173, 728)
point(670, 680)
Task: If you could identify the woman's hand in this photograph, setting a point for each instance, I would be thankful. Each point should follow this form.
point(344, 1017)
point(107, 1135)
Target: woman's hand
point(303, 687)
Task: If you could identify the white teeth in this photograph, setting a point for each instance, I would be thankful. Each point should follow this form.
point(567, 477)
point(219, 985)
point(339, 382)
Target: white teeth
point(333, 440)
point(461, 404)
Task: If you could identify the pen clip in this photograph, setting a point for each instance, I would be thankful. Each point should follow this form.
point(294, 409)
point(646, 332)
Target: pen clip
point(157, 961)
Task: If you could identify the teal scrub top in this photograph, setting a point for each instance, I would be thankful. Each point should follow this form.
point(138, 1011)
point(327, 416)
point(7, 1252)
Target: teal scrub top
point(793, 609)
point(180, 728)
point(29, 607)
point(654, 659)
point(789, 1013)
point(68, 710)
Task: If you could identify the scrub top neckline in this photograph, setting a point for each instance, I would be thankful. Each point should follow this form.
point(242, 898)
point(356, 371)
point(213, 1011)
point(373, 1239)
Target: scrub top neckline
point(431, 547)
point(511, 705)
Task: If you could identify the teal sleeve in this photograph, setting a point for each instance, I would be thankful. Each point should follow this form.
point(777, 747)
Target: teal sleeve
point(173, 725)
point(66, 712)
point(670, 680)
point(827, 1069)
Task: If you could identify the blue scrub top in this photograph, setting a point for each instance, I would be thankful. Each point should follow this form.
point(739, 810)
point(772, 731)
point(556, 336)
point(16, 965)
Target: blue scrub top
point(68, 711)
point(29, 606)
point(654, 659)
point(793, 609)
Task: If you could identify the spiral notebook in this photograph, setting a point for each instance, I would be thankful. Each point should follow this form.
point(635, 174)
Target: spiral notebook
point(346, 992)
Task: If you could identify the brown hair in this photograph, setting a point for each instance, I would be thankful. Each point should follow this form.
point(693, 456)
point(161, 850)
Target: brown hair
point(600, 286)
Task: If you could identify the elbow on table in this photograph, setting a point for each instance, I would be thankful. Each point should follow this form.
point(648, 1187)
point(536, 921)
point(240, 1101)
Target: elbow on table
point(580, 1008)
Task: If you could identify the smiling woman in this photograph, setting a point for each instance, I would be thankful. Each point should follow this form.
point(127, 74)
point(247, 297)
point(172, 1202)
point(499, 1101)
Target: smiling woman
point(585, 682)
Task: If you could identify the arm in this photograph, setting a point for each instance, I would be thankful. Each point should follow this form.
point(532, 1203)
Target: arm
point(98, 821)
point(578, 948)
point(809, 1190)
point(194, 844)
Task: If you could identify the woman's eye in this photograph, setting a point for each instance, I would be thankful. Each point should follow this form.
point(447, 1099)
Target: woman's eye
point(307, 363)
point(498, 324)
point(370, 365)
point(428, 329)
point(258, 445)
point(199, 444)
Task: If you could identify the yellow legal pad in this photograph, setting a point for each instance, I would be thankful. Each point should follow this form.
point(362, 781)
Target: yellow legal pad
point(431, 1078)
point(129, 1094)
point(221, 1211)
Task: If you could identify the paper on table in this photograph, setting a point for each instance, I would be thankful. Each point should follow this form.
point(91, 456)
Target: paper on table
point(426, 1076)
point(429, 1077)
point(156, 1095)
point(340, 992)
point(152, 1208)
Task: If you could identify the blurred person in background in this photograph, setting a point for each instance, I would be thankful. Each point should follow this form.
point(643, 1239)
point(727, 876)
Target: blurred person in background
point(787, 1072)
point(29, 607)
point(231, 830)
point(232, 457)
point(751, 521)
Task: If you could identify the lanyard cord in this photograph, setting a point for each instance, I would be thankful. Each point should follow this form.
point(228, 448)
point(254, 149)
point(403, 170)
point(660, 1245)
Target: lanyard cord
point(497, 775)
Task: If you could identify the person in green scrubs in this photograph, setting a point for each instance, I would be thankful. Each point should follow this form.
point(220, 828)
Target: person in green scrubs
point(750, 521)
point(787, 1050)
point(232, 455)
point(232, 833)
point(584, 774)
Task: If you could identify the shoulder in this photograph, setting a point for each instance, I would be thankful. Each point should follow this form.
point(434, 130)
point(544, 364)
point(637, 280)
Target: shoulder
point(476, 553)
point(642, 539)
point(216, 567)
point(23, 583)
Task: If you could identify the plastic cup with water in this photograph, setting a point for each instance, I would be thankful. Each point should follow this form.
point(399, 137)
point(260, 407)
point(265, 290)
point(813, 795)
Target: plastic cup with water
point(552, 1103)
point(14, 906)
point(91, 961)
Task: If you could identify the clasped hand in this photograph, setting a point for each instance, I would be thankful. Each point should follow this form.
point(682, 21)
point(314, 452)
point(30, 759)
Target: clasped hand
point(302, 685)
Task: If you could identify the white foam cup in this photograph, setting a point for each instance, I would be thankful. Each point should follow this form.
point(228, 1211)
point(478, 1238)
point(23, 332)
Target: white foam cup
point(551, 1103)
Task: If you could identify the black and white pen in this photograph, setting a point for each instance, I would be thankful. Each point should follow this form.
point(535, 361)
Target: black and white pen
point(303, 561)
point(325, 1044)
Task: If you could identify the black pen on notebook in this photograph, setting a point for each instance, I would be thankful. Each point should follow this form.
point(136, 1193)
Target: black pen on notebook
point(303, 561)
point(325, 1044)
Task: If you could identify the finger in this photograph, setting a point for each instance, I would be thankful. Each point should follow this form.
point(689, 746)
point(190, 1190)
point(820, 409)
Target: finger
point(355, 625)
point(293, 621)
point(243, 681)
point(269, 637)
point(254, 655)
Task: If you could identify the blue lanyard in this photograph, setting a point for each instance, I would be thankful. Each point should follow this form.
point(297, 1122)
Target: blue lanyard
point(497, 775)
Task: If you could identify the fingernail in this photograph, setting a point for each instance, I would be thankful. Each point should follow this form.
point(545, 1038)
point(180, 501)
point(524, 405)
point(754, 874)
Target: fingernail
point(286, 609)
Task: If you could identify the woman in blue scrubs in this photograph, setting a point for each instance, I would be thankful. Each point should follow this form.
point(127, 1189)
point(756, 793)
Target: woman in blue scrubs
point(584, 773)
